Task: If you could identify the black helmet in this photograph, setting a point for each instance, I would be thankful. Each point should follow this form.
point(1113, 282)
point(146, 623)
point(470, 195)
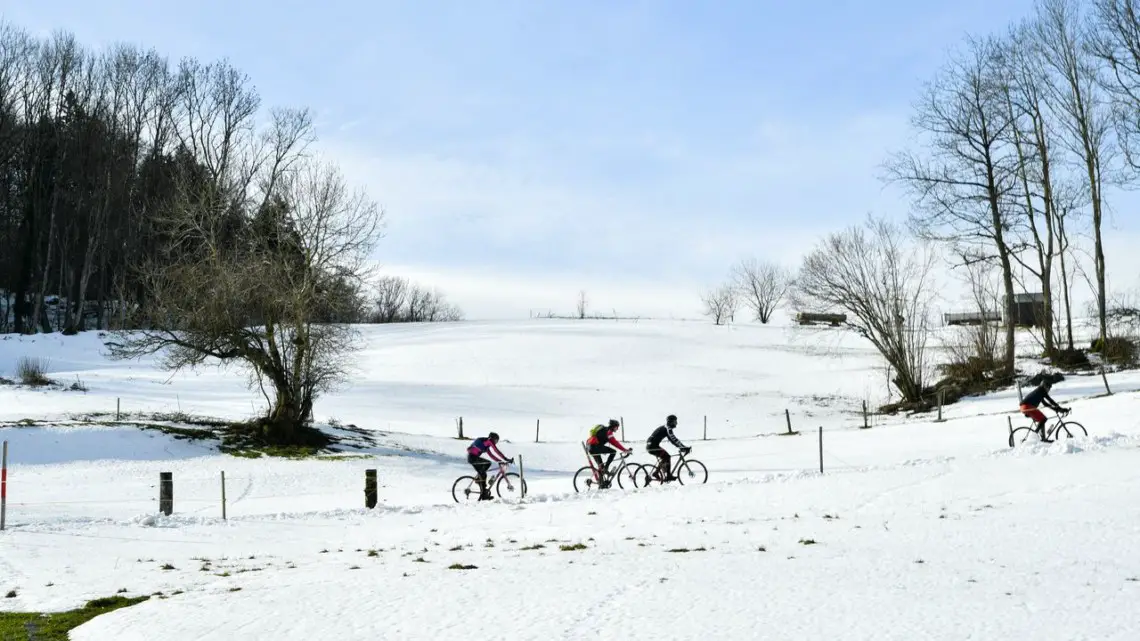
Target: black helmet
point(614, 423)
point(671, 420)
point(493, 436)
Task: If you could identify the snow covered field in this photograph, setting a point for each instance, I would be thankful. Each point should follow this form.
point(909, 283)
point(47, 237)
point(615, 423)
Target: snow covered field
point(916, 529)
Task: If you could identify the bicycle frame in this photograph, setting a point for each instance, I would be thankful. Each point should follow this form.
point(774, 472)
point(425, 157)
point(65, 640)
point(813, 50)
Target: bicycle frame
point(678, 460)
point(610, 473)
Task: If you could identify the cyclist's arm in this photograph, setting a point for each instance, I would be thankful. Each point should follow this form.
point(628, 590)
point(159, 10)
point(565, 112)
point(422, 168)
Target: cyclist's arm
point(615, 443)
point(1051, 404)
point(495, 454)
point(674, 440)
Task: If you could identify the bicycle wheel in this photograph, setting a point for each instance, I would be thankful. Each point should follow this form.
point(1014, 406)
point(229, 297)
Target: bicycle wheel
point(1069, 429)
point(1020, 434)
point(696, 471)
point(643, 476)
point(465, 488)
point(511, 485)
point(627, 475)
point(584, 480)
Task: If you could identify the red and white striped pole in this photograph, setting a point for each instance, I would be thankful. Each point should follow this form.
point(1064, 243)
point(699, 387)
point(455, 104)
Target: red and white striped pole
point(4, 485)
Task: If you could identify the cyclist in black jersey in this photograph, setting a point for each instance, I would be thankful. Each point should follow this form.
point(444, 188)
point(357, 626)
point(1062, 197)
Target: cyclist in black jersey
point(653, 446)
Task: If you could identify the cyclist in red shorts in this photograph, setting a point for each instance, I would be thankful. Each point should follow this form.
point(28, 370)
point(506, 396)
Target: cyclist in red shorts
point(1039, 395)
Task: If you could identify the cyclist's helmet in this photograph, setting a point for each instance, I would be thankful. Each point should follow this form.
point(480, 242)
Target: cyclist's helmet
point(614, 424)
point(493, 436)
point(671, 420)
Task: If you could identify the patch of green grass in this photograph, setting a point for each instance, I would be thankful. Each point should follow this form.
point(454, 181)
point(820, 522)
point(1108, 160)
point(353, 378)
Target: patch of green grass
point(460, 566)
point(683, 550)
point(536, 546)
point(55, 626)
point(807, 542)
point(181, 433)
point(572, 548)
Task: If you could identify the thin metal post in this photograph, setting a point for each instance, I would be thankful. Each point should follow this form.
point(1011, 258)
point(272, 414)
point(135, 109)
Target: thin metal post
point(4, 486)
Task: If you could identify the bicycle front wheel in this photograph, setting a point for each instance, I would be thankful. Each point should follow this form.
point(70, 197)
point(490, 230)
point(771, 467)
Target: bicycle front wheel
point(643, 475)
point(511, 485)
point(1069, 429)
point(627, 476)
point(694, 470)
point(465, 488)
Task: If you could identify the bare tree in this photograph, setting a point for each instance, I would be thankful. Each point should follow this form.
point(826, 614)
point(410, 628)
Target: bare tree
point(1032, 136)
point(963, 184)
point(1086, 110)
point(582, 304)
point(720, 303)
point(885, 287)
point(391, 294)
point(762, 286)
point(254, 302)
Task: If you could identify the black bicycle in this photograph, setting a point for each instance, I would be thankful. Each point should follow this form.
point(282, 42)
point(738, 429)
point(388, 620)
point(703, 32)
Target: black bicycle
point(1056, 428)
point(686, 471)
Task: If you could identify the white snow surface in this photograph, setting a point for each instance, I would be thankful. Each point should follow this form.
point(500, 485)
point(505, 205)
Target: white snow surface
point(916, 529)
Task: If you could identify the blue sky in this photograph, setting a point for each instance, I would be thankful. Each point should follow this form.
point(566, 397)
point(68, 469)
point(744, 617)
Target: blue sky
point(526, 150)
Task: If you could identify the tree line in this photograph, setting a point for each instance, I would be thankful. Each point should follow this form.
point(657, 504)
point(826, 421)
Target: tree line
point(1022, 133)
point(164, 202)
point(98, 149)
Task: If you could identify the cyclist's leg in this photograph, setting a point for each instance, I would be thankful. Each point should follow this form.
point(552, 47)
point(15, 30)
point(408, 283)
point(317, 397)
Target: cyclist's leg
point(1035, 415)
point(596, 452)
point(662, 469)
point(481, 466)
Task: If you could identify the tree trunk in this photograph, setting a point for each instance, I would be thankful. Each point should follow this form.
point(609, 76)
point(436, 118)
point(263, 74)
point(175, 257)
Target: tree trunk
point(38, 302)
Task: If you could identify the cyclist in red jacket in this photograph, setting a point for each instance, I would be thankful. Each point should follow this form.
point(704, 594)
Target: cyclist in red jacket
point(601, 437)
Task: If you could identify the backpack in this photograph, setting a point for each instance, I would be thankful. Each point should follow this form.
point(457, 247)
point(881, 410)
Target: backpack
point(599, 433)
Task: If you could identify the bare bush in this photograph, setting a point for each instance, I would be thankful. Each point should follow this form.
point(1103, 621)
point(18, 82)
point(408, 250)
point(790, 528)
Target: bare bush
point(720, 303)
point(884, 286)
point(974, 349)
point(762, 286)
point(33, 371)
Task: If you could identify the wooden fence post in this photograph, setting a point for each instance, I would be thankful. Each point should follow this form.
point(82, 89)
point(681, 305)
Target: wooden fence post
point(706, 434)
point(459, 425)
point(4, 486)
point(788, 418)
point(370, 488)
point(118, 406)
point(866, 424)
point(940, 393)
point(537, 424)
point(223, 495)
point(166, 493)
point(821, 449)
point(622, 419)
point(522, 479)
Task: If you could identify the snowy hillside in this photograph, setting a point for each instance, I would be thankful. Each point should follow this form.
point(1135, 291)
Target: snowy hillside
point(915, 529)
